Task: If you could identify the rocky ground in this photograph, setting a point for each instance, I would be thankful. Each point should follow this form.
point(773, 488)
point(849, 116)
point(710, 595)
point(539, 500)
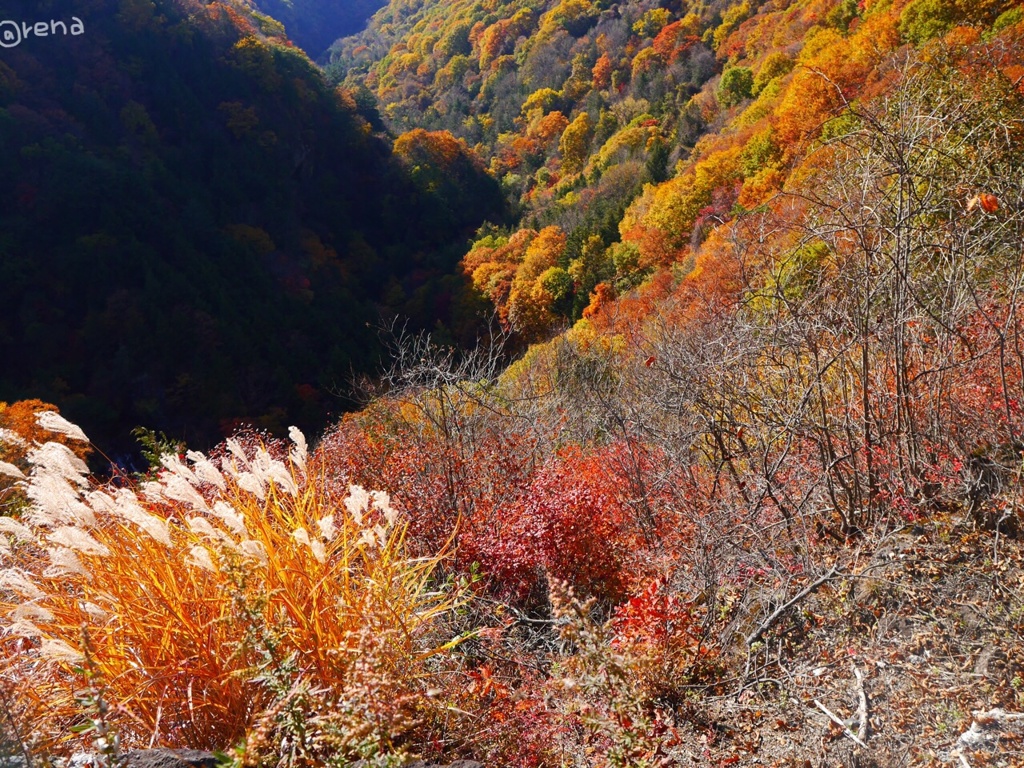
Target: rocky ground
point(915, 659)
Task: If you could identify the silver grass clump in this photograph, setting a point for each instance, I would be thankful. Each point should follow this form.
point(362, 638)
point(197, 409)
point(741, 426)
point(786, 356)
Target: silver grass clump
point(11, 471)
point(272, 471)
point(205, 471)
point(299, 452)
point(93, 611)
point(178, 488)
point(55, 487)
point(30, 611)
point(125, 505)
point(316, 546)
point(54, 422)
point(58, 651)
point(173, 462)
point(64, 562)
point(68, 514)
point(237, 451)
point(23, 628)
point(58, 489)
point(11, 437)
point(18, 530)
point(16, 580)
point(55, 503)
point(200, 558)
point(78, 540)
point(247, 481)
point(227, 515)
point(255, 550)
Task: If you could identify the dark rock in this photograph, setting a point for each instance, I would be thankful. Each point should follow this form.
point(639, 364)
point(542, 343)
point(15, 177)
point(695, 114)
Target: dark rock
point(195, 758)
point(169, 758)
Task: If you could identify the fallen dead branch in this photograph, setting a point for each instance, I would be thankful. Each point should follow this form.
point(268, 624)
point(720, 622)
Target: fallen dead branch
point(768, 623)
point(835, 719)
point(862, 707)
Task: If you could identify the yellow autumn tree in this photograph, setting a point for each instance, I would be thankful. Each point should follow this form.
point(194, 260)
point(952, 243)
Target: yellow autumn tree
point(530, 297)
point(492, 264)
point(660, 221)
point(575, 143)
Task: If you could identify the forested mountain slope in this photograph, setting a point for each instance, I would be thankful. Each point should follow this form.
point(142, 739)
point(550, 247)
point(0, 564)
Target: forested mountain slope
point(573, 105)
point(197, 228)
point(576, 105)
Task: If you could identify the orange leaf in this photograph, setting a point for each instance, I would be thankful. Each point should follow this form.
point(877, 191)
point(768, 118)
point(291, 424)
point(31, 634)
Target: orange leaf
point(988, 203)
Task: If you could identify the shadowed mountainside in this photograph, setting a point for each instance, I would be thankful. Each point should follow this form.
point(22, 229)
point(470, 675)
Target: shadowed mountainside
point(197, 228)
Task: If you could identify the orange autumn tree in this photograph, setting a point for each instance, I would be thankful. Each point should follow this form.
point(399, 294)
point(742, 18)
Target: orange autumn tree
point(575, 143)
point(602, 72)
point(524, 277)
point(433, 155)
point(492, 263)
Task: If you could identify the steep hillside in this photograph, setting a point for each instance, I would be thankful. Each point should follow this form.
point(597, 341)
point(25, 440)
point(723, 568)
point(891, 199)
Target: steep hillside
point(199, 228)
point(576, 105)
point(789, 357)
point(753, 495)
